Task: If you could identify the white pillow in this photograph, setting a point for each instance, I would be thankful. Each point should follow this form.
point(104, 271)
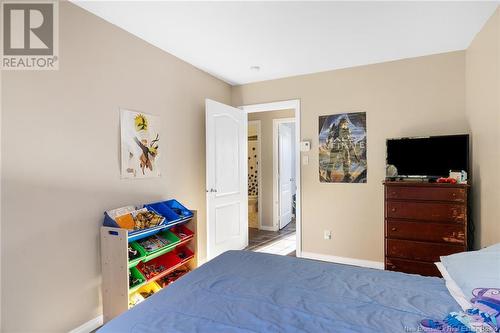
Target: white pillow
point(453, 288)
point(466, 271)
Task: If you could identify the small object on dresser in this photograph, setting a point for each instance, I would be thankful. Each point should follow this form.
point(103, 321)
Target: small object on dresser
point(448, 180)
point(459, 176)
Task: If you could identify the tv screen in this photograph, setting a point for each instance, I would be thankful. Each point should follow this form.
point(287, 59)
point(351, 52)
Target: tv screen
point(431, 156)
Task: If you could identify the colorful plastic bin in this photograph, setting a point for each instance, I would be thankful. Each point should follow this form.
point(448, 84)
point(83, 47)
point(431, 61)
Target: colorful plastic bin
point(182, 232)
point(134, 234)
point(142, 254)
point(169, 261)
point(172, 210)
point(135, 273)
point(168, 235)
point(179, 209)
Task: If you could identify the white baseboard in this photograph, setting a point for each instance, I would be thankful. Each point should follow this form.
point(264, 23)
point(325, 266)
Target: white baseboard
point(343, 260)
point(268, 228)
point(89, 326)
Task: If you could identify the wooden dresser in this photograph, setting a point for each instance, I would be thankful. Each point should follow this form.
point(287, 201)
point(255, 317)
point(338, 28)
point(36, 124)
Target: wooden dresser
point(423, 221)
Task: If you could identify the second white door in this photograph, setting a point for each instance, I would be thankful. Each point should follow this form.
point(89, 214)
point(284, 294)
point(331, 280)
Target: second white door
point(285, 173)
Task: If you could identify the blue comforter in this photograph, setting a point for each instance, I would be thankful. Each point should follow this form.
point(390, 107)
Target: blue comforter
point(242, 291)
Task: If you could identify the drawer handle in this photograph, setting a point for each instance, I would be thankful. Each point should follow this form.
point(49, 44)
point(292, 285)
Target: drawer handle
point(393, 193)
point(393, 209)
point(394, 228)
point(454, 194)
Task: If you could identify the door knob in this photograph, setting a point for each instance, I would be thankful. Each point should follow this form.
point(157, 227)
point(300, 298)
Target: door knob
point(393, 210)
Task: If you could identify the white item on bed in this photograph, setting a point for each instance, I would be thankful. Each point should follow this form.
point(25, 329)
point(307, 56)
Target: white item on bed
point(453, 288)
point(470, 270)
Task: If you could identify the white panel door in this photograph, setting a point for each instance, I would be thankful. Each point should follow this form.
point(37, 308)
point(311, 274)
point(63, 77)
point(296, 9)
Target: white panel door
point(285, 180)
point(226, 166)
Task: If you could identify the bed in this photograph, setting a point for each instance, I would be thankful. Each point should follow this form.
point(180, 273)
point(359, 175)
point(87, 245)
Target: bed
point(243, 291)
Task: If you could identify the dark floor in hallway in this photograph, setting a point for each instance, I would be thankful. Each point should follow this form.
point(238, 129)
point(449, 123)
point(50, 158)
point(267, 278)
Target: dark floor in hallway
point(258, 238)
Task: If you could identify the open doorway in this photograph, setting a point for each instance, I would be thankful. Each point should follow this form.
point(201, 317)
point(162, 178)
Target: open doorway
point(272, 181)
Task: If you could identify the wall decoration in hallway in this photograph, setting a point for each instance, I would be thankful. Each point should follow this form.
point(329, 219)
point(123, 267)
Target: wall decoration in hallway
point(253, 181)
point(342, 148)
point(139, 144)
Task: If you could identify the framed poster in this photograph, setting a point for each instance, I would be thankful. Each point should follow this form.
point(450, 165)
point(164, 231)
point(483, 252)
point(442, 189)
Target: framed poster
point(342, 148)
point(140, 144)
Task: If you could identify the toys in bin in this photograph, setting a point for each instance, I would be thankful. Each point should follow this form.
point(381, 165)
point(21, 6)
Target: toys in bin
point(151, 270)
point(143, 292)
point(134, 219)
point(133, 253)
point(169, 278)
point(183, 254)
point(182, 231)
point(134, 279)
point(139, 219)
point(153, 243)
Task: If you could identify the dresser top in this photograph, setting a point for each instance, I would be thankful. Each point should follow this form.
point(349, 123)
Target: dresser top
point(424, 184)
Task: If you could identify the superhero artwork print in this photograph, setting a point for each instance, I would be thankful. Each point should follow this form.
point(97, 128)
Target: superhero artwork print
point(342, 148)
point(140, 144)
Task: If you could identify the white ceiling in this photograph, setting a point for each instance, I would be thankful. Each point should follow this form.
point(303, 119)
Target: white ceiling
point(291, 38)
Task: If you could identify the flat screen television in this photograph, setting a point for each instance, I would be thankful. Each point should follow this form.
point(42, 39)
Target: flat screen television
point(429, 157)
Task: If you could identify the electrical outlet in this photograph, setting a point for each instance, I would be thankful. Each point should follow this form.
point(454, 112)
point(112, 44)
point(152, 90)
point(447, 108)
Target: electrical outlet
point(328, 235)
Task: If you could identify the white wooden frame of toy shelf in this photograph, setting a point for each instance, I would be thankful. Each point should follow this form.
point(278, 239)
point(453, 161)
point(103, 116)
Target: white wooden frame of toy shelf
point(114, 261)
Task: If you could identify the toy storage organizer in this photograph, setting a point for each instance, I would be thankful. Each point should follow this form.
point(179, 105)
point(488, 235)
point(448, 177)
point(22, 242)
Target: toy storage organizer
point(174, 259)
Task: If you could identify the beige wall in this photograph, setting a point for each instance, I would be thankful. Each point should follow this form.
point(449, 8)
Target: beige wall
point(61, 169)
point(266, 123)
point(483, 113)
point(420, 96)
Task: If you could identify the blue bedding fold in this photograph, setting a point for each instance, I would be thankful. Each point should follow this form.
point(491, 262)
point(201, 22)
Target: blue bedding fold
point(242, 291)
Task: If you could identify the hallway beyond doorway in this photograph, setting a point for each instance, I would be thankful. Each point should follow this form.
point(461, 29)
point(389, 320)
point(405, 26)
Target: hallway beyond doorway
point(257, 239)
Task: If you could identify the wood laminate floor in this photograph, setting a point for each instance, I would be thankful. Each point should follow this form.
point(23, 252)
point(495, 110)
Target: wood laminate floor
point(258, 238)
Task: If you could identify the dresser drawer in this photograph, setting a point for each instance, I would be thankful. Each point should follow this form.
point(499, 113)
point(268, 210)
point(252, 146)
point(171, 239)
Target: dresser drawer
point(426, 231)
point(411, 267)
point(425, 193)
point(428, 211)
point(421, 251)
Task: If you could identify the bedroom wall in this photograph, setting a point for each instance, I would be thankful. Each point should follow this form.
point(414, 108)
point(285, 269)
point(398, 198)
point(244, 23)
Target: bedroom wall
point(266, 128)
point(483, 114)
point(419, 96)
point(61, 167)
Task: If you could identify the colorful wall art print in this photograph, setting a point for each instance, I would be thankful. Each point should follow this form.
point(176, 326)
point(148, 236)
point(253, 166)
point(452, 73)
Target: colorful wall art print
point(140, 144)
point(342, 148)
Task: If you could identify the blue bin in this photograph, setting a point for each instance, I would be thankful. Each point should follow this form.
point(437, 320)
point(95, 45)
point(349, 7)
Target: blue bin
point(179, 209)
point(171, 210)
point(171, 213)
point(134, 234)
